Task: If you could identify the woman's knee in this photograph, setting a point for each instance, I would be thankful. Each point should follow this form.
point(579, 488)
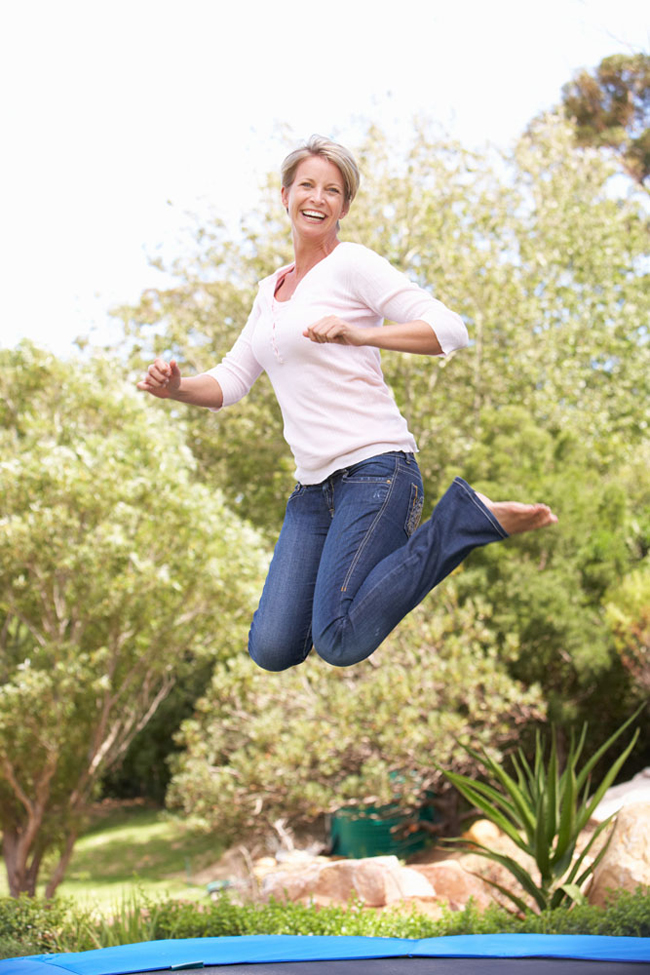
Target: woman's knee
point(275, 655)
point(338, 646)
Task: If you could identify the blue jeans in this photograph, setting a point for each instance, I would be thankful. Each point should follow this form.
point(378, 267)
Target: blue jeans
point(351, 562)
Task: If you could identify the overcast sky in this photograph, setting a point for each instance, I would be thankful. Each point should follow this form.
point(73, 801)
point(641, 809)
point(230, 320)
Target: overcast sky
point(119, 117)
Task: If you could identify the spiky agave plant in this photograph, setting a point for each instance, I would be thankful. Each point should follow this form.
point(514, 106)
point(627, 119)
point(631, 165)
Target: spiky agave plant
point(543, 811)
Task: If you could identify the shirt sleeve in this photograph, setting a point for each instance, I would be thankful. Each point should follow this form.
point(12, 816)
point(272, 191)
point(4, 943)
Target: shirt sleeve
point(239, 368)
point(392, 295)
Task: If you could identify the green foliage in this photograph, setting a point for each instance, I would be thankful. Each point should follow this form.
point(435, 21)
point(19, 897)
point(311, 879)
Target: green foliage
point(548, 270)
point(544, 811)
point(294, 745)
point(547, 588)
point(33, 926)
point(117, 572)
point(28, 926)
point(628, 614)
point(611, 108)
point(144, 770)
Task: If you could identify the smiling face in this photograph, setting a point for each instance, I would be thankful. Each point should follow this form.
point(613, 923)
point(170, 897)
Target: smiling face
point(316, 198)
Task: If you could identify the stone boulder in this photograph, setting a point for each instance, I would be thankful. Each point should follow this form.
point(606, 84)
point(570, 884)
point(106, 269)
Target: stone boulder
point(627, 793)
point(455, 885)
point(626, 864)
point(378, 881)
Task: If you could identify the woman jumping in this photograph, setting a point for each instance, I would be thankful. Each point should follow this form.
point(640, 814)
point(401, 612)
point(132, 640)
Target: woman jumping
point(350, 561)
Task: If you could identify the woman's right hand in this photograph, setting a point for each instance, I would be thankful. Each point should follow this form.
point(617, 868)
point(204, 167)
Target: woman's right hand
point(162, 379)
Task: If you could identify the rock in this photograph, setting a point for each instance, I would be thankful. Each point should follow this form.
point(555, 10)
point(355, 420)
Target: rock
point(484, 832)
point(452, 883)
point(373, 880)
point(264, 866)
point(413, 884)
point(634, 791)
point(289, 885)
point(626, 864)
point(378, 881)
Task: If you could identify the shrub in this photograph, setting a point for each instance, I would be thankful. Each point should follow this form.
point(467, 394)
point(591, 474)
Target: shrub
point(34, 927)
point(297, 744)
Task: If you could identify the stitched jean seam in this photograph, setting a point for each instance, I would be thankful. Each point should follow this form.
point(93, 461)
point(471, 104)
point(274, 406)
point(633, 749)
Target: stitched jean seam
point(366, 538)
point(479, 504)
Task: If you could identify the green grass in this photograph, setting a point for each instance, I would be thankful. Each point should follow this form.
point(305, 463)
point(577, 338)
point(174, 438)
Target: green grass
point(134, 849)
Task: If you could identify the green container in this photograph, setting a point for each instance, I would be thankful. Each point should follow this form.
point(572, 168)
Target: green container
point(377, 831)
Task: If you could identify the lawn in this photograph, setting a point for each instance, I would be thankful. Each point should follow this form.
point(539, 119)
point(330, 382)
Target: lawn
point(129, 847)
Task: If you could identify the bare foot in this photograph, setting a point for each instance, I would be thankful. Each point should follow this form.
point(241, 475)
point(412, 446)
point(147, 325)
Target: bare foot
point(516, 518)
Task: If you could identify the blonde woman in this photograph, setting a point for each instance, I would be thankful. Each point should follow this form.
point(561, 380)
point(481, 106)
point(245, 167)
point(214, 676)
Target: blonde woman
point(350, 561)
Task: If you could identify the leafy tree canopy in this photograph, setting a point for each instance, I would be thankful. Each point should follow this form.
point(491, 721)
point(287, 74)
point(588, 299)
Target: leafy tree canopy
point(117, 572)
point(611, 107)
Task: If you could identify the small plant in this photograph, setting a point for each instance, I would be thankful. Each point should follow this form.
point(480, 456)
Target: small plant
point(543, 812)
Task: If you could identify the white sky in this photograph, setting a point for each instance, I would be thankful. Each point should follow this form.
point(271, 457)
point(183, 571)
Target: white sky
point(119, 117)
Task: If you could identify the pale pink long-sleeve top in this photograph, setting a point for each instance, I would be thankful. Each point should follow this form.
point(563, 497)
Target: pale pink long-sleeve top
point(336, 406)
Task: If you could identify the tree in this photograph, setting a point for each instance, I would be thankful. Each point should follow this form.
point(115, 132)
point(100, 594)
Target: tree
point(611, 107)
point(117, 572)
point(628, 613)
point(297, 744)
point(548, 269)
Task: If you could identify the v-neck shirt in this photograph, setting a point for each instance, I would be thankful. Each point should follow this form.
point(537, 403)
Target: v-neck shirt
point(336, 405)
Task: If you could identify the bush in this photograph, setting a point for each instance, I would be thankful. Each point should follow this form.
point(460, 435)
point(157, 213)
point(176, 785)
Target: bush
point(304, 742)
point(33, 927)
point(29, 926)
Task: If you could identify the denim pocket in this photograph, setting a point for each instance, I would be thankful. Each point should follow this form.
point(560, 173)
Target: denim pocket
point(416, 502)
point(297, 491)
point(375, 469)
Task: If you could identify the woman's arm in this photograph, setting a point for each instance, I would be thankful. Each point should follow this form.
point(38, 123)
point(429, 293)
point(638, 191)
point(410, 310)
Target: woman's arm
point(393, 296)
point(416, 336)
point(164, 380)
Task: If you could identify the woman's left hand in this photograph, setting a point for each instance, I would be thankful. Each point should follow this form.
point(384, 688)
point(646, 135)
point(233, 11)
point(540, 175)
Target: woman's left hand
point(334, 329)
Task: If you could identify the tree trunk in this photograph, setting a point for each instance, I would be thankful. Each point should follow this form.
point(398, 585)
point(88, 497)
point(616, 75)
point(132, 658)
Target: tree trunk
point(61, 867)
point(20, 878)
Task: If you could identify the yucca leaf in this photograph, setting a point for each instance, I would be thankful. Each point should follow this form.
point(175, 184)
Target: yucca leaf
point(574, 893)
point(488, 791)
point(588, 808)
point(583, 853)
point(564, 891)
point(490, 794)
point(518, 872)
point(523, 784)
point(517, 901)
point(471, 792)
point(575, 751)
point(541, 848)
point(559, 866)
point(592, 866)
point(526, 767)
point(508, 783)
point(595, 758)
point(552, 784)
point(566, 832)
point(522, 780)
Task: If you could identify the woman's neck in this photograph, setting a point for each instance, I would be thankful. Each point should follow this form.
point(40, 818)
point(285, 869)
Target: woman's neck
point(308, 253)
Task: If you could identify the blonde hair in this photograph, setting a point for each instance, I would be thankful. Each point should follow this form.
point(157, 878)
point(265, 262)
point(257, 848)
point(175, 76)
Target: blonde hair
point(318, 145)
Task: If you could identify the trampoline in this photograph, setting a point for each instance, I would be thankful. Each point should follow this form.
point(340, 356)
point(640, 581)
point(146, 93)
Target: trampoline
point(495, 954)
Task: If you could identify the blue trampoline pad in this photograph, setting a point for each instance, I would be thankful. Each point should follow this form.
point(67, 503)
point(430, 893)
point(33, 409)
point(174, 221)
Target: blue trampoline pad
point(498, 954)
